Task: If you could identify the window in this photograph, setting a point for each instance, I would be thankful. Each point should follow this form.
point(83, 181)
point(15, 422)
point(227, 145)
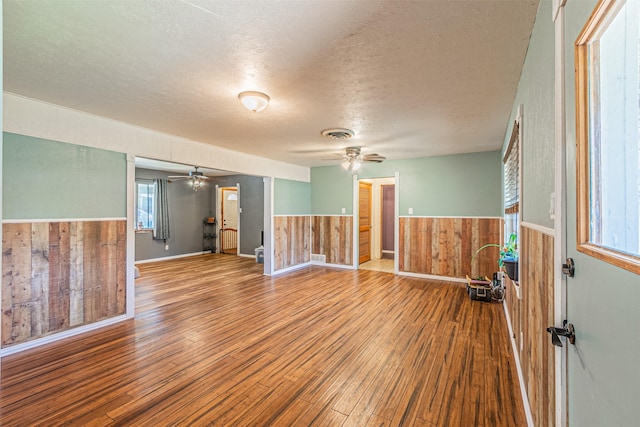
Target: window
point(608, 122)
point(144, 205)
point(511, 162)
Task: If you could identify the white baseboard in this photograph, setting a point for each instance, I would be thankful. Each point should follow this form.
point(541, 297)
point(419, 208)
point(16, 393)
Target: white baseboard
point(326, 264)
point(516, 356)
point(165, 258)
point(292, 268)
point(431, 277)
point(61, 335)
point(247, 255)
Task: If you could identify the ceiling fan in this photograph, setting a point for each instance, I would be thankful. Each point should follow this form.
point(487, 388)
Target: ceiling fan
point(352, 158)
point(196, 178)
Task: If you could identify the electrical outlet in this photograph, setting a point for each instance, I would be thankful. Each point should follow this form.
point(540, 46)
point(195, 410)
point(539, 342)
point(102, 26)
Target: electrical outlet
point(166, 247)
point(344, 210)
point(410, 211)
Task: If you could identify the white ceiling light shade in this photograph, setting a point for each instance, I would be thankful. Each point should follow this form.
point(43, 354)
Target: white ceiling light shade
point(352, 163)
point(254, 101)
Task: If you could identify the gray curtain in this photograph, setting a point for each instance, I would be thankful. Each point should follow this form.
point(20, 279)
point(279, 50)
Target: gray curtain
point(161, 210)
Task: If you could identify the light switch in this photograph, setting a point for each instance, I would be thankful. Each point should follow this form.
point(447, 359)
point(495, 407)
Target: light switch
point(410, 211)
point(344, 210)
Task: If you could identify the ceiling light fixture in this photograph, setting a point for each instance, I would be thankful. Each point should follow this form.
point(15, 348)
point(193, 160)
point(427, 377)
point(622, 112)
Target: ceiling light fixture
point(254, 101)
point(195, 182)
point(352, 163)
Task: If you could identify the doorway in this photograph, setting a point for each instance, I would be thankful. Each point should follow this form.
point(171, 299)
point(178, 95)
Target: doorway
point(376, 224)
point(228, 214)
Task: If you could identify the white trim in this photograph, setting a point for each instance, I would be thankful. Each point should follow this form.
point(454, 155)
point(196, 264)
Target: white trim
point(130, 288)
point(542, 229)
point(61, 335)
point(336, 215)
point(523, 389)
point(285, 215)
point(292, 268)
point(21, 221)
point(355, 237)
point(396, 223)
point(246, 255)
point(560, 212)
point(431, 277)
point(326, 264)
point(268, 240)
point(451, 217)
point(166, 258)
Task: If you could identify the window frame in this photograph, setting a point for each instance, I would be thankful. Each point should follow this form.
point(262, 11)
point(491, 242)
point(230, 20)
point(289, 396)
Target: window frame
point(151, 185)
point(602, 15)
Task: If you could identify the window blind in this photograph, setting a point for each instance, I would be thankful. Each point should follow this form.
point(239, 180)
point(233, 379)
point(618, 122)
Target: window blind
point(512, 173)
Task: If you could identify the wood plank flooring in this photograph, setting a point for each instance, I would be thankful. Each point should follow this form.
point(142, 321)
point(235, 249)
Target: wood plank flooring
point(215, 342)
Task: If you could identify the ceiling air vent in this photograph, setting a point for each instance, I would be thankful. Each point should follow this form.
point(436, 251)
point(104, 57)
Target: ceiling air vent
point(338, 133)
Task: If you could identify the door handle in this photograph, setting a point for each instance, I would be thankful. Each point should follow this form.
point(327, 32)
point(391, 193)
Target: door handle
point(567, 331)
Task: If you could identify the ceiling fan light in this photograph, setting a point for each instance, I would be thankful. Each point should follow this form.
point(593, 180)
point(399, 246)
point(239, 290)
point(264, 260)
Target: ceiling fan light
point(355, 165)
point(254, 101)
point(345, 164)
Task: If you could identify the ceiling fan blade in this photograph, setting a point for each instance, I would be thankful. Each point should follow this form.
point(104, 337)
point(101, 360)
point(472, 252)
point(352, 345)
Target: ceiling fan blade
point(374, 158)
point(178, 177)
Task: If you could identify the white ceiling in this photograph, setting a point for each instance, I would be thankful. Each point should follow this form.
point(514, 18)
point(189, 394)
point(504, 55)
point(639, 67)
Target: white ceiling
point(411, 78)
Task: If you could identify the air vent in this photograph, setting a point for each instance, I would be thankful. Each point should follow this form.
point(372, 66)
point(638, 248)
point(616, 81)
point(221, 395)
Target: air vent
point(318, 259)
point(338, 133)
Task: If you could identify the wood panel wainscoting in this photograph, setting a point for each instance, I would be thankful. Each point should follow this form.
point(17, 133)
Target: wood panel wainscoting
point(291, 235)
point(530, 317)
point(215, 342)
point(332, 236)
point(60, 275)
point(445, 246)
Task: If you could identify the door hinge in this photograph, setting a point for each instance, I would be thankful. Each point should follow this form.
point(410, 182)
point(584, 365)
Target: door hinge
point(569, 268)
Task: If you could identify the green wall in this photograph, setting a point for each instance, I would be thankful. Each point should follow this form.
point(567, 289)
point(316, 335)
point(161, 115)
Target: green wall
point(291, 197)
point(536, 95)
point(456, 185)
point(45, 179)
point(331, 190)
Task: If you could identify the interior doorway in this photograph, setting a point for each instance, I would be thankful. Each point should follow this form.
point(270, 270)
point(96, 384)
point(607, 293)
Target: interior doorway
point(376, 222)
point(228, 214)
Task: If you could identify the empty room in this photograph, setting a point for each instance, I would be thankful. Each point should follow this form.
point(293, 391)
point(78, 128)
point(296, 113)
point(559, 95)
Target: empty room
point(320, 212)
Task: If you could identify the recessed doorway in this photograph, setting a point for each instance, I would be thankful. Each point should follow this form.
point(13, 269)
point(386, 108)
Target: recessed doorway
point(376, 224)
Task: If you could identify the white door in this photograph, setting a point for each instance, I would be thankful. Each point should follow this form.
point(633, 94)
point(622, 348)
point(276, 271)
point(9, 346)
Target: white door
point(229, 220)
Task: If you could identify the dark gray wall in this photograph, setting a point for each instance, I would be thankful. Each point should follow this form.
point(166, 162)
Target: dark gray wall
point(252, 204)
point(187, 210)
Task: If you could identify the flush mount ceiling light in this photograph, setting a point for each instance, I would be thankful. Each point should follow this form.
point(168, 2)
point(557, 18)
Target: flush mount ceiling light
point(254, 101)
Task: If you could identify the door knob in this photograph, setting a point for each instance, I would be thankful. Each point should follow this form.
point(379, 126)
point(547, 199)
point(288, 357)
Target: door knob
point(567, 331)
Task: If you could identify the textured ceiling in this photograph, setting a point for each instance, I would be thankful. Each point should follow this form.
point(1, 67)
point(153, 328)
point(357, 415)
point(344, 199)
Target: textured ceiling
point(411, 78)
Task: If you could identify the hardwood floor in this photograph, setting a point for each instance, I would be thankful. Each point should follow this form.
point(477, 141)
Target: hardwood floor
point(215, 342)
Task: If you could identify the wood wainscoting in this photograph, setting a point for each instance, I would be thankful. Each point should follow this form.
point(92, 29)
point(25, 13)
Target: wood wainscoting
point(60, 275)
point(530, 316)
point(291, 236)
point(332, 236)
point(445, 246)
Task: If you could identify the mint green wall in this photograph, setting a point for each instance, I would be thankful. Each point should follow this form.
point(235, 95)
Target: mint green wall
point(291, 197)
point(456, 185)
point(602, 300)
point(45, 179)
point(331, 190)
point(536, 95)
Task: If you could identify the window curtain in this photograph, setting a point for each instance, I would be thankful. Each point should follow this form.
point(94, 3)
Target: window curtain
point(512, 173)
point(161, 210)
